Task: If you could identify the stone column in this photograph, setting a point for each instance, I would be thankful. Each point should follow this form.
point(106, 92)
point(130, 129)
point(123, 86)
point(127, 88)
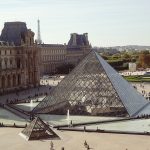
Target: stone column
point(74, 42)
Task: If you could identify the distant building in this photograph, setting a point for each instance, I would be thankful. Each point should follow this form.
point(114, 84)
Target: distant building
point(52, 56)
point(132, 67)
point(78, 46)
point(19, 58)
point(55, 55)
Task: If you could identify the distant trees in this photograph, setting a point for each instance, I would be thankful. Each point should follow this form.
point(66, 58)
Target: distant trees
point(144, 59)
point(119, 64)
point(126, 56)
point(104, 57)
point(65, 68)
point(120, 60)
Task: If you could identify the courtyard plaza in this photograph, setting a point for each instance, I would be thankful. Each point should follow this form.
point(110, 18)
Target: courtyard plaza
point(74, 141)
point(142, 87)
point(69, 138)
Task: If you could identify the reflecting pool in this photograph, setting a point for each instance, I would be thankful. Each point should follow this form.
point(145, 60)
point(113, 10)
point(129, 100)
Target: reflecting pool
point(142, 125)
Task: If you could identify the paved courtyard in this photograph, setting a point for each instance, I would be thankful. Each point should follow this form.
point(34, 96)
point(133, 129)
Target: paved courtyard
point(74, 141)
point(10, 140)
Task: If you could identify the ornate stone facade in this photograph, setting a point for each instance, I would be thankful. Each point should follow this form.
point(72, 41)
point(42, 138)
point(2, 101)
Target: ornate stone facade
point(19, 62)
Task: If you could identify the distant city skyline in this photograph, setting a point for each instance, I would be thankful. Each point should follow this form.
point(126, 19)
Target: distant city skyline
point(107, 22)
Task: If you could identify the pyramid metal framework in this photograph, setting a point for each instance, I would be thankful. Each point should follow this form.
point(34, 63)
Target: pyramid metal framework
point(94, 88)
point(37, 129)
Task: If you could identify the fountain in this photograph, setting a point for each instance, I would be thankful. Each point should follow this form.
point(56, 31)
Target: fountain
point(31, 104)
point(68, 117)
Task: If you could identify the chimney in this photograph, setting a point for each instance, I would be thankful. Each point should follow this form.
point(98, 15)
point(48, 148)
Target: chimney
point(74, 40)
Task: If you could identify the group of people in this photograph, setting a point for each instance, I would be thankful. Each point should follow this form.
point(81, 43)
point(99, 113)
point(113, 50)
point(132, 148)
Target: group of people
point(25, 96)
point(143, 90)
point(85, 145)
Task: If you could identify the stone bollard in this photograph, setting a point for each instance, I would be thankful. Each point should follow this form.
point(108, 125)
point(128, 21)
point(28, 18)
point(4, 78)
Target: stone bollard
point(85, 143)
point(51, 146)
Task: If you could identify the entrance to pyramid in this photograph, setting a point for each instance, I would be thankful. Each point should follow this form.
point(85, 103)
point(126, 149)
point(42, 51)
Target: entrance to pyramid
point(93, 88)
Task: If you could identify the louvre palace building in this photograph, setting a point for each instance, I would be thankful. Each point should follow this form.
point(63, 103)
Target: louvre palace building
point(22, 60)
point(19, 58)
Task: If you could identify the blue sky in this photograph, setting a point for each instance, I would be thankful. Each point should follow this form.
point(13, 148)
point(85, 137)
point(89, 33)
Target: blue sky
point(108, 22)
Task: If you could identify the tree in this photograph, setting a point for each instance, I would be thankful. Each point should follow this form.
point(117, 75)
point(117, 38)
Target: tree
point(65, 68)
point(126, 56)
point(144, 59)
point(104, 57)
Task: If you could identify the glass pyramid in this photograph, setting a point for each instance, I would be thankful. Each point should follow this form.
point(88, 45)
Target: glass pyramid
point(37, 129)
point(93, 88)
